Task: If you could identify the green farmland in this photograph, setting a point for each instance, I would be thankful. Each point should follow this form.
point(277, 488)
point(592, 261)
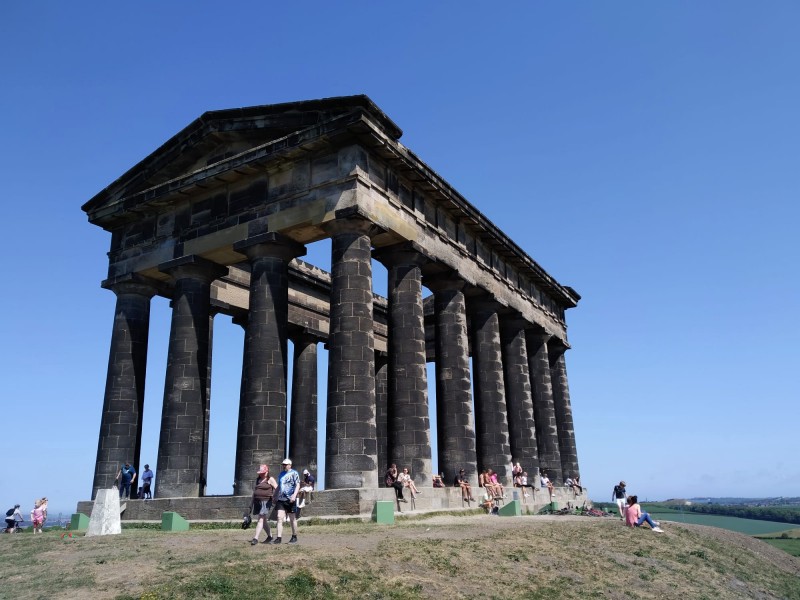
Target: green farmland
point(748, 526)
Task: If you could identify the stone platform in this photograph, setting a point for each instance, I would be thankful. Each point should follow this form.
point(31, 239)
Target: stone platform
point(328, 503)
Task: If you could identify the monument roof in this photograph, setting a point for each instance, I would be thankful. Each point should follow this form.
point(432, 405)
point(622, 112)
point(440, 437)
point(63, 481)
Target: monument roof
point(226, 143)
point(219, 134)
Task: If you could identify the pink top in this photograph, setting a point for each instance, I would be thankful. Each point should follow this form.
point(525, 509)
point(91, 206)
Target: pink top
point(493, 477)
point(632, 514)
point(37, 514)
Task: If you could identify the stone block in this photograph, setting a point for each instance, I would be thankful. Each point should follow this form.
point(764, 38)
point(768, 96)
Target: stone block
point(79, 522)
point(172, 521)
point(511, 509)
point(105, 519)
point(383, 513)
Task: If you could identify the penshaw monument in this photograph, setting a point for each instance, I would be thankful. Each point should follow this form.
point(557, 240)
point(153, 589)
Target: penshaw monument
point(217, 219)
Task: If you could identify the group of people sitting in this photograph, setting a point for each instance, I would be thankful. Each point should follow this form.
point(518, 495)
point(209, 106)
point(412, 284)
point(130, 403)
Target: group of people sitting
point(630, 511)
point(487, 479)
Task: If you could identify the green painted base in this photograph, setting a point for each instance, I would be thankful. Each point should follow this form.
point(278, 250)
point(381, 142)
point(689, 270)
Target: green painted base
point(383, 513)
point(172, 521)
point(511, 509)
point(79, 522)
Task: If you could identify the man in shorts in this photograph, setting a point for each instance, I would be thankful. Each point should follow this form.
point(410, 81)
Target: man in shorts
point(285, 499)
point(621, 498)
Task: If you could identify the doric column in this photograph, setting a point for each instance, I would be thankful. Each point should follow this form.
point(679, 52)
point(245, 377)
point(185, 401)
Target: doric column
point(261, 436)
point(381, 408)
point(121, 421)
point(519, 398)
point(408, 419)
point(454, 418)
point(543, 408)
point(563, 409)
point(351, 449)
point(303, 423)
point(183, 418)
point(207, 410)
point(491, 421)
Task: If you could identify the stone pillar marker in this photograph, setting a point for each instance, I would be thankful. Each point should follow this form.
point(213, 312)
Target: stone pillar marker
point(183, 418)
point(407, 413)
point(121, 422)
point(543, 408)
point(303, 425)
point(563, 410)
point(351, 450)
point(491, 421)
point(105, 514)
point(262, 409)
point(519, 398)
point(454, 417)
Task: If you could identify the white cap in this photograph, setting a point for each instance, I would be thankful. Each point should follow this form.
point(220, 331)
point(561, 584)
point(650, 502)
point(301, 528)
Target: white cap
point(286, 461)
point(305, 472)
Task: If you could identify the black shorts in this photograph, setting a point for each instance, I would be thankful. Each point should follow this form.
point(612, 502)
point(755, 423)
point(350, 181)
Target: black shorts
point(286, 505)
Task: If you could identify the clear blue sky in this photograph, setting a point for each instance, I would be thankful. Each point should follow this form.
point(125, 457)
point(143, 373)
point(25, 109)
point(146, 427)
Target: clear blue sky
point(644, 153)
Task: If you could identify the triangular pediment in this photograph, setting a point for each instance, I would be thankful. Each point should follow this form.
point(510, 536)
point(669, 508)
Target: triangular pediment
point(217, 135)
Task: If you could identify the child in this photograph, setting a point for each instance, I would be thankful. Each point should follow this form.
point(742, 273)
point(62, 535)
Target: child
point(37, 517)
point(634, 516)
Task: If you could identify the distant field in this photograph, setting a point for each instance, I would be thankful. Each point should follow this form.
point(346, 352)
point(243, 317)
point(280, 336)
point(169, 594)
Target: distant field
point(748, 526)
point(790, 546)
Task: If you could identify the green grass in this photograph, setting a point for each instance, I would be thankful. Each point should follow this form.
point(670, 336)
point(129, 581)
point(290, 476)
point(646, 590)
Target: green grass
point(414, 559)
point(788, 545)
point(747, 526)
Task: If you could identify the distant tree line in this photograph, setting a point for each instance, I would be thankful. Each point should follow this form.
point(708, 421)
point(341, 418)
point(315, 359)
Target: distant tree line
point(761, 513)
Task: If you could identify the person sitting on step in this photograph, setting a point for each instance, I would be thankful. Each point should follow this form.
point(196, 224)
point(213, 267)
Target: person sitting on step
point(466, 489)
point(408, 482)
point(390, 479)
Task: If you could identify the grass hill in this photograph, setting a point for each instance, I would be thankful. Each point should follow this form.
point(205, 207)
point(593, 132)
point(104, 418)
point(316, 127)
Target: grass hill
point(437, 556)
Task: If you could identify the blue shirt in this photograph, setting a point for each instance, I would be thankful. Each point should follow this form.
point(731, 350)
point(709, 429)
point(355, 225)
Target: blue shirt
point(288, 482)
point(127, 474)
point(147, 476)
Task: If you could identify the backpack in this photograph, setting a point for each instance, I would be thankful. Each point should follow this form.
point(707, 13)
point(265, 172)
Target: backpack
point(9, 512)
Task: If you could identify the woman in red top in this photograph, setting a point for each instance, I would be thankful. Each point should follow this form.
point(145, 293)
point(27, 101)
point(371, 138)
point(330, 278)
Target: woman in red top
point(263, 491)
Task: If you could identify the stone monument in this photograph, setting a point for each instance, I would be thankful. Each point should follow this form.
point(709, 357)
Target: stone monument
point(217, 218)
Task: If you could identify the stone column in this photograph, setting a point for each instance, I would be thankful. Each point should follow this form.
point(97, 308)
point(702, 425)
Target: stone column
point(303, 423)
point(381, 408)
point(207, 415)
point(454, 418)
point(543, 408)
point(351, 439)
point(563, 410)
point(491, 421)
point(121, 422)
point(409, 427)
point(519, 398)
point(183, 422)
point(261, 436)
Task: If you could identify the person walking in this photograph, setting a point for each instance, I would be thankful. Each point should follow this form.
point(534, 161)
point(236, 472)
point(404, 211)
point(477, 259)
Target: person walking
point(147, 482)
point(37, 517)
point(620, 497)
point(263, 492)
point(126, 476)
point(288, 488)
